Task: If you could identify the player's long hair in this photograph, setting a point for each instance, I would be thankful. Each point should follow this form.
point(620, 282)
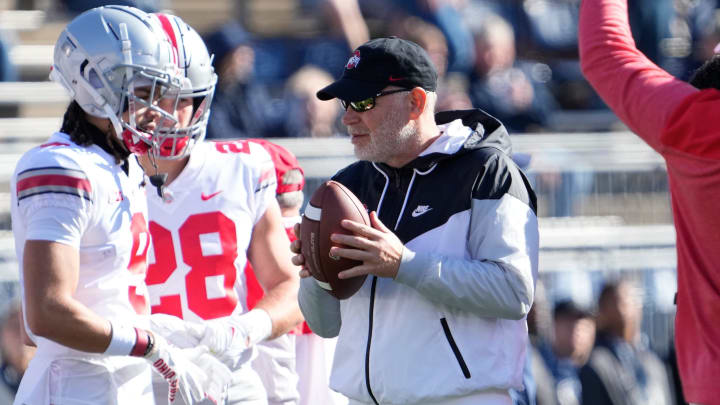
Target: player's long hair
point(83, 133)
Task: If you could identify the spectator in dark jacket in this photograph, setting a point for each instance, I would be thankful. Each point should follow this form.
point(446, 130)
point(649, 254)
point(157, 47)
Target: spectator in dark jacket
point(567, 351)
point(513, 91)
point(241, 107)
point(621, 371)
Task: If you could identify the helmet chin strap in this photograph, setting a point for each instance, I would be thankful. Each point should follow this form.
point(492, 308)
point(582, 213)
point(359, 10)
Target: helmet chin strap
point(158, 180)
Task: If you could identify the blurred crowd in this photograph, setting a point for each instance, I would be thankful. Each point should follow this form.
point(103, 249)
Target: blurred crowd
point(596, 354)
point(517, 59)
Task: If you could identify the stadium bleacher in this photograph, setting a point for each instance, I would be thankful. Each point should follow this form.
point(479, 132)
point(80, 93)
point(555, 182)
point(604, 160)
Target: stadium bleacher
point(34, 99)
point(31, 109)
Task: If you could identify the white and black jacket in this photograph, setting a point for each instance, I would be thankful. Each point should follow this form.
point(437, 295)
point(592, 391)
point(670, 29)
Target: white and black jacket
point(452, 323)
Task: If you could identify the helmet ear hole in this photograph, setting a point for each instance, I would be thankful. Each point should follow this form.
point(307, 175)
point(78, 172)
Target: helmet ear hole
point(94, 79)
point(83, 65)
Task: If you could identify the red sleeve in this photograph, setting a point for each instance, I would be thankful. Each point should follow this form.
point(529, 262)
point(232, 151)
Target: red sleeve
point(640, 93)
point(692, 129)
point(291, 234)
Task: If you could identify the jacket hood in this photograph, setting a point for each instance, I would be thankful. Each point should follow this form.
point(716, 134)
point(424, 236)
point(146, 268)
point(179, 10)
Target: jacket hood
point(488, 130)
point(474, 129)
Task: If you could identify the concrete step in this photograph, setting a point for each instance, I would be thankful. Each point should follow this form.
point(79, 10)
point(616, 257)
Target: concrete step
point(32, 99)
point(32, 61)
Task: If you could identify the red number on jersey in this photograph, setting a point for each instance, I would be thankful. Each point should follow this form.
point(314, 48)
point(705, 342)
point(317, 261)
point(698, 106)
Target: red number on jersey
point(233, 147)
point(219, 266)
point(139, 302)
point(138, 260)
point(160, 271)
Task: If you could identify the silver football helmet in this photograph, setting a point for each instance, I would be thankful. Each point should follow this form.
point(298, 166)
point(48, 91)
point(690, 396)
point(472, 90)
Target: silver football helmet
point(104, 54)
point(195, 64)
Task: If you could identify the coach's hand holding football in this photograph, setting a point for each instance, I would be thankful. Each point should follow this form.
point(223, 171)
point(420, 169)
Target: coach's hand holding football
point(377, 247)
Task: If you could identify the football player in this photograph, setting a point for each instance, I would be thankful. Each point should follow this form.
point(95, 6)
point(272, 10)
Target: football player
point(79, 220)
point(214, 209)
point(300, 359)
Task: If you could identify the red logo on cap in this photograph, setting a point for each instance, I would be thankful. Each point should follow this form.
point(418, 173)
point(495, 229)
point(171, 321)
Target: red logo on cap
point(395, 79)
point(353, 61)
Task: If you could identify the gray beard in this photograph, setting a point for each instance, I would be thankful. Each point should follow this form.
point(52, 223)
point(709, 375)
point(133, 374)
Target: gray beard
point(388, 142)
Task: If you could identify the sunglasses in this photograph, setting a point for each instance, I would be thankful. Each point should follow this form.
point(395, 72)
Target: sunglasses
point(369, 103)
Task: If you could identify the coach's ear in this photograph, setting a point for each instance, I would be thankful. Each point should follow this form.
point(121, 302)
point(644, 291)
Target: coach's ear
point(418, 102)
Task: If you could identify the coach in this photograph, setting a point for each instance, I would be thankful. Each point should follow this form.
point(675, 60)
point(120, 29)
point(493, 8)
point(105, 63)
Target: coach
point(452, 251)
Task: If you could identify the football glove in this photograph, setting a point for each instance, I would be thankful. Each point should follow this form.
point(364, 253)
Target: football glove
point(191, 374)
point(228, 338)
point(176, 331)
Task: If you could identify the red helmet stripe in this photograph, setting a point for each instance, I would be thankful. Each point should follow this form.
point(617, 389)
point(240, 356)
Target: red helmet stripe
point(167, 27)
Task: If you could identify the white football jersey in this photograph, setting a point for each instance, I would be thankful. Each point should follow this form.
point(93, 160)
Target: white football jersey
point(109, 225)
point(201, 236)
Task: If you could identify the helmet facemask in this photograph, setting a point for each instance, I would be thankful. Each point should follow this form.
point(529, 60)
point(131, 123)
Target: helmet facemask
point(160, 97)
point(172, 141)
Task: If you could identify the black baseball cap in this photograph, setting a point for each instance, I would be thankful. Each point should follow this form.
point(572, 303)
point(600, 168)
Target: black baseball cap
point(380, 63)
point(570, 309)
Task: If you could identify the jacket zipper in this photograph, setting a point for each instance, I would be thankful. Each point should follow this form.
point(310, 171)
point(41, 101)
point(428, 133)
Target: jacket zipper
point(372, 300)
point(367, 350)
point(455, 349)
point(374, 280)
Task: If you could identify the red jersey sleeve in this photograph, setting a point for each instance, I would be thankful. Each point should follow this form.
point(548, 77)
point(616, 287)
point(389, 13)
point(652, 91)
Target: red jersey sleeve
point(691, 131)
point(639, 92)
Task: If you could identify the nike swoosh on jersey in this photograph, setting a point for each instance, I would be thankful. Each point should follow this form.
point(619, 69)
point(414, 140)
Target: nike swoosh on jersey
point(395, 79)
point(206, 197)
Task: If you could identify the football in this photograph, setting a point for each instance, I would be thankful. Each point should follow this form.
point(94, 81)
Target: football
point(330, 203)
